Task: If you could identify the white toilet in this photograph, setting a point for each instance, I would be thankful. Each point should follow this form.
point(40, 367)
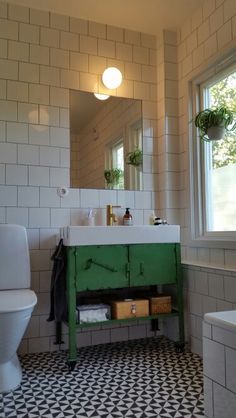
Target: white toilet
point(16, 301)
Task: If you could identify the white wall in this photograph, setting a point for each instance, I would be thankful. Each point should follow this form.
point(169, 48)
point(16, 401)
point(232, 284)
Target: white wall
point(42, 55)
point(169, 176)
point(204, 39)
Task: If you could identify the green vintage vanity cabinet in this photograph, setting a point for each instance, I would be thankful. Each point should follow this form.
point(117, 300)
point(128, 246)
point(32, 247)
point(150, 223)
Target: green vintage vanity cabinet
point(152, 264)
point(116, 266)
point(101, 267)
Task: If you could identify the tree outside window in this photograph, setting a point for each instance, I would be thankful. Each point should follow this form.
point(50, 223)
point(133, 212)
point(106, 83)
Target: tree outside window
point(220, 161)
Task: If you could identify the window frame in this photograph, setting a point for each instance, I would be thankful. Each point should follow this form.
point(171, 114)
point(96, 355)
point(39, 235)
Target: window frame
point(109, 153)
point(135, 139)
point(199, 236)
point(114, 150)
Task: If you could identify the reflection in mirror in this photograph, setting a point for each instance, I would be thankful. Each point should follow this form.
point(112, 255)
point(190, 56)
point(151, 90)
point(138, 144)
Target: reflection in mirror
point(106, 142)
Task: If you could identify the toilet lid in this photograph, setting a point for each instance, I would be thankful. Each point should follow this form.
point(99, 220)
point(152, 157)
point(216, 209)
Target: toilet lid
point(16, 300)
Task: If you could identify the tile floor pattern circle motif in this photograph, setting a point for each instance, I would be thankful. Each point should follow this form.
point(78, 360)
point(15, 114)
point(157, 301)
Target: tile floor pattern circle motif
point(136, 379)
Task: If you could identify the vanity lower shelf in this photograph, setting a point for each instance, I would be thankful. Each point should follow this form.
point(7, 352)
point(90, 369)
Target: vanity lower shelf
point(121, 321)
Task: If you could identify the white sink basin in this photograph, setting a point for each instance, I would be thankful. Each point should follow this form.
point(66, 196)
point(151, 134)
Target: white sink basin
point(102, 235)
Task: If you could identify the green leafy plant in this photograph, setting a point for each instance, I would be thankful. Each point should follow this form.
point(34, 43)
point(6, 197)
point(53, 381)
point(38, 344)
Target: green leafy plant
point(135, 157)
point(113, 176)
point(220, 117)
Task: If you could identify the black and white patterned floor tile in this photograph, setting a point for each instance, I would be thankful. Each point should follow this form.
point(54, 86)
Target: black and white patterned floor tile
point(142, 379)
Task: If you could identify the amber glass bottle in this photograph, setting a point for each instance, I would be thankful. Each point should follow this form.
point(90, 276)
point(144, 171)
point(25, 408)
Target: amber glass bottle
point(127, 218)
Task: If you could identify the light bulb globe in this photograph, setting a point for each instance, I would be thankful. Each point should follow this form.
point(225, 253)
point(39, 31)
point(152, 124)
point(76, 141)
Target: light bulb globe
point(112, 78)
point(101, 96)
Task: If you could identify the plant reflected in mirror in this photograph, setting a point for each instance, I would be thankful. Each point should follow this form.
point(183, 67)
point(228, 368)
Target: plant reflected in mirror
point(114, 178)
point(135, 157)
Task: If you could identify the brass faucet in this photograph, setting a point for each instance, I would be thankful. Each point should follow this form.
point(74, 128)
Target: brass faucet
point(111, 217)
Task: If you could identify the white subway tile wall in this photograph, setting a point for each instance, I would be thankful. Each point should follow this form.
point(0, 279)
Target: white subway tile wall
point(219, 382)
point(202, 40)
point(42, 56)
point(208, 34)
point(207, 290)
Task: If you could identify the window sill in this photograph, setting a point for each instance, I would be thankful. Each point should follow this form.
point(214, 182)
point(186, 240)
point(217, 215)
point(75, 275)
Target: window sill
point(208, 266)
point(218, 242)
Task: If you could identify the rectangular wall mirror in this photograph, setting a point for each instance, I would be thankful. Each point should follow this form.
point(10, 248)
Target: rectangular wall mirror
point(105, 142)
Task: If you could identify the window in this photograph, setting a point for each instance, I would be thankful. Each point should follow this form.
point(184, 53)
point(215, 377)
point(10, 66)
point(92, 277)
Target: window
point(128, 177)
point(115, 160)
point(134, 175)
point(118, 156)
point(214, 202)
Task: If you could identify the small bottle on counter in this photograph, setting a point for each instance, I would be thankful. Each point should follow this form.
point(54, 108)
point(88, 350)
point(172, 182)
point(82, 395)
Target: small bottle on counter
point(152, 218)
point(158, 221)
point(127, 218)
point(90, 218)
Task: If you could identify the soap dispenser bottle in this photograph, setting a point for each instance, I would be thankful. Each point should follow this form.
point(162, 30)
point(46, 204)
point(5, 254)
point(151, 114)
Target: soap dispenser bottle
point(127, 218)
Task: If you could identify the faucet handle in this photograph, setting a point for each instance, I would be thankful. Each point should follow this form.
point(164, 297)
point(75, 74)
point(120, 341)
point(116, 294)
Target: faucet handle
point(114, 218)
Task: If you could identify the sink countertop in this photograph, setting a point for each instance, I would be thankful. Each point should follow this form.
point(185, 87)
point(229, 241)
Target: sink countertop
point(225, 319)
point(106, 235)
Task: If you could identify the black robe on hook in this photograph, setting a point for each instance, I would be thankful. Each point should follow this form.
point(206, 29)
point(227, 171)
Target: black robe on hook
point(58, 305)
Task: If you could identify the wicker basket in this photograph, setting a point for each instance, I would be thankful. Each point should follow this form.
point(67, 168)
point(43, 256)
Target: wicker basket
point(160, 304)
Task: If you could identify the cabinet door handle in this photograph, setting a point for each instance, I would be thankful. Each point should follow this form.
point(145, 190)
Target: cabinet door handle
point(141, 270)
point(127, 269)
point(105, 266)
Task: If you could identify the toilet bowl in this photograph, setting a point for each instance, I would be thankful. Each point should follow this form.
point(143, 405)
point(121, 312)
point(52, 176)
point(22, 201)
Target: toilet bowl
point(16, 301)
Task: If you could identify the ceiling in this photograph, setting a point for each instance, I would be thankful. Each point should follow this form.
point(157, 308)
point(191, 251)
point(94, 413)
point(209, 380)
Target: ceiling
point(148, 16)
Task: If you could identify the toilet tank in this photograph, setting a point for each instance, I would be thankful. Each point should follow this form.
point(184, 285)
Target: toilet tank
point(14, 257)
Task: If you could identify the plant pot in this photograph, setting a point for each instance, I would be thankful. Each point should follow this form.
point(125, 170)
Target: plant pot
point(215, 133)
point(139, 168)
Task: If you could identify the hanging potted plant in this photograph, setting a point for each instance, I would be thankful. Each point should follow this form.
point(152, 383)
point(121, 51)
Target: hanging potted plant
point(112, 176)
point(135, 157)
point(214, 123)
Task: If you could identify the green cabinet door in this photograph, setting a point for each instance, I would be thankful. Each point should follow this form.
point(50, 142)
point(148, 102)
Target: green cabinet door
point(101, 267)
point(152, 264)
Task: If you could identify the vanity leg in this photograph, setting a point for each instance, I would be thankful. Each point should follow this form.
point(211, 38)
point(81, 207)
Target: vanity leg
point(71, 365)
point(155, 325)
point(181, 343)
point(71, 298)
point(72, 355)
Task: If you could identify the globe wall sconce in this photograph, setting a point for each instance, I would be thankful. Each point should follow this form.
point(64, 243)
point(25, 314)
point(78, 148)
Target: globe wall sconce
point(112, 78)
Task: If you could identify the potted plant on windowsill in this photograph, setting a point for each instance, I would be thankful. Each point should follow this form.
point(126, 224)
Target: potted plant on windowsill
point(214, 123)
point(112, 177)
point(135, 157)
